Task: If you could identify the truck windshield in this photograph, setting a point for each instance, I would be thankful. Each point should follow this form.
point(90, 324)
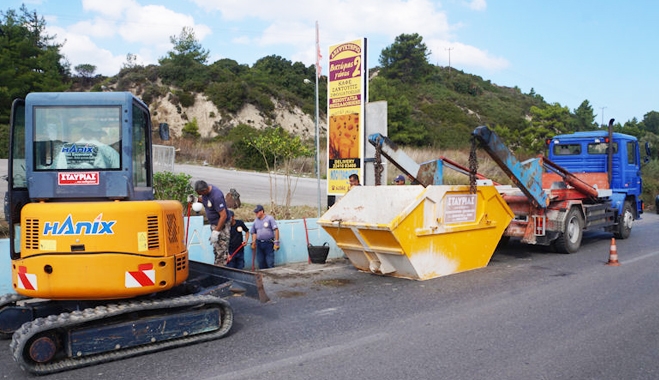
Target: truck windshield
point(77, 138)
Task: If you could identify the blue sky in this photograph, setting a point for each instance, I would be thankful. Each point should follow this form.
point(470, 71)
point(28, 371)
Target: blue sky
point(567, 51)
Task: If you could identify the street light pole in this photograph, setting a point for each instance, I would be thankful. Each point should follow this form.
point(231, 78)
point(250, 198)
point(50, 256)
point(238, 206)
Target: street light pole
point(317, 142)
point(317, 148)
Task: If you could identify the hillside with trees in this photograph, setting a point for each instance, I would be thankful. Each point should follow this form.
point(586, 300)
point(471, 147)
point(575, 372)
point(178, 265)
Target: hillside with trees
point(428, 106)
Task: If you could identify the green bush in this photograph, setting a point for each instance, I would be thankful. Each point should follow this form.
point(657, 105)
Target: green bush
point(650, 173)
point(246, 156)
point(228, 96)
point(167, 185)
point(186, 98)
point(4, 141)
point(191, 129)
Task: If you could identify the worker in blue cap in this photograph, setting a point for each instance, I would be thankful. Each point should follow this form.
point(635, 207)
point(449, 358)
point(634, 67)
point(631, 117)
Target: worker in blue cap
point(399, 180)
point(265, 238)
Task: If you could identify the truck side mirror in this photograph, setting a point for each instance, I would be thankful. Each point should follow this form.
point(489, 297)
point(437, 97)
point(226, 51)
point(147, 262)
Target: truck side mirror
point(163, 131)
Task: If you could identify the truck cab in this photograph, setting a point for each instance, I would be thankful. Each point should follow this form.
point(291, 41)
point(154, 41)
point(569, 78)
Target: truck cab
point(586, 154)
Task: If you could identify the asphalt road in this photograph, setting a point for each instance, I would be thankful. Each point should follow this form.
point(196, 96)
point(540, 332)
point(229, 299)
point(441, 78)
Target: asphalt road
point(254, 187)
point(530, 314)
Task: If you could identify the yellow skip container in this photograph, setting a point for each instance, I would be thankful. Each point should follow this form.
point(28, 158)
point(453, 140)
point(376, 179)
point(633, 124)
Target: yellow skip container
point(415, 232)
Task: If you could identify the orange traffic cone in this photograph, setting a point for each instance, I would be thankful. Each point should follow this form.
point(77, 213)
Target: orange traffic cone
point(613, 254)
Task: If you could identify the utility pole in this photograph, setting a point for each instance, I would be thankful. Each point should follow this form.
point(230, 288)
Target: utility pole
point(602, 108)
point(449, 59)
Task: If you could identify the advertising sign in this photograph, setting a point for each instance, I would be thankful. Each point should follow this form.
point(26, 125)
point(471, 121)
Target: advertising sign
point(347, 94)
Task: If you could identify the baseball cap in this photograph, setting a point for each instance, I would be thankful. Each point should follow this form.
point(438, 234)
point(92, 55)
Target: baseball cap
point(399, 178)
point(258, 208)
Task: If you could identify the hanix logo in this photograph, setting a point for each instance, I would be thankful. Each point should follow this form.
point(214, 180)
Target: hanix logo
point(69, 228)
point(73, 148)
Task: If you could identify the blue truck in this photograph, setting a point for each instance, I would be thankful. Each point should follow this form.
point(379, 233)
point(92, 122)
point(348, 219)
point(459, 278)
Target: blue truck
point(587, 181)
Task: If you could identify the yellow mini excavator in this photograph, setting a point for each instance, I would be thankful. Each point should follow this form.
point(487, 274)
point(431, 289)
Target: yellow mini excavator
point(100, 268)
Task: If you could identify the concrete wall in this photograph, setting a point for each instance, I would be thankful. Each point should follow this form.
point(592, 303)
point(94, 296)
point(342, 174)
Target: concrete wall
point(291, 235)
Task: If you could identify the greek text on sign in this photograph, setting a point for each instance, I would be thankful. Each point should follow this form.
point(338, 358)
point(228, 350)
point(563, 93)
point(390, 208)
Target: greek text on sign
point(460, 208)
point(77, 178)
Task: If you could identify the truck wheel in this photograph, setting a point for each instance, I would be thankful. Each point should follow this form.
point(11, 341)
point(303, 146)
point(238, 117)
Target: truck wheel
point(625, 222)
point(569, 240)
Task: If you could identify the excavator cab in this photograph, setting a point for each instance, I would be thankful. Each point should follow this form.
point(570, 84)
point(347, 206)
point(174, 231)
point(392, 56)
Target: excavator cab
point(84, 224)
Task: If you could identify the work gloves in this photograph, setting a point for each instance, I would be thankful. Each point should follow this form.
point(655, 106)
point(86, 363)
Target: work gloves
point(215, 236)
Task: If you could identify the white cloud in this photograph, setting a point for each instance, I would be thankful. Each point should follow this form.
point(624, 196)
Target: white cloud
point(339, 17)
point(97, 27)
point(80, 49)
point(270, 27)
point(112, 8)
point(342, 20)
point(146, 30)
point(478, 5)
point(464, 56)
point(149, 24)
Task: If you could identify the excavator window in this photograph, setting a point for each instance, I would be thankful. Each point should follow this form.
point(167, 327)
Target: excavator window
point(141, 152)
point(77, 138)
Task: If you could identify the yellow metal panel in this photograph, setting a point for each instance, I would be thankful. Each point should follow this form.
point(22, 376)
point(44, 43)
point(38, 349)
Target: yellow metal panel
point(381, 241)
point(104, 227)
point(94, 276)
point(343, 233)
point(90, 250)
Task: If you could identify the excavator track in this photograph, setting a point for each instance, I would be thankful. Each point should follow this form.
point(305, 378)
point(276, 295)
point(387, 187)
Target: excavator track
point(7, 300)
point(45, 345)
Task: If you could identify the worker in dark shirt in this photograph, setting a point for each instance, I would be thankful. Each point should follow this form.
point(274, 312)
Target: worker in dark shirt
point(237, 242)
point(216, 211)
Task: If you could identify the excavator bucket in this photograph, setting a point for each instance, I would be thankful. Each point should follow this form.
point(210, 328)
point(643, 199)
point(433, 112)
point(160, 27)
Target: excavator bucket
point(415, 232)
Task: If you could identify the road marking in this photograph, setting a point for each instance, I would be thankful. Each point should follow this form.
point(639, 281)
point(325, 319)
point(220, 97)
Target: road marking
point(298, 359)
point(327, 311)
point(640, 258)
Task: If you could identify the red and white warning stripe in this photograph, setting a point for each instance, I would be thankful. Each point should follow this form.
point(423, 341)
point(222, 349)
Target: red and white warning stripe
point(144, 276)
point(27, 281)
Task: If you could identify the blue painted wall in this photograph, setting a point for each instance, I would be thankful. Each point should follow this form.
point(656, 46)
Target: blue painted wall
point(5, 268)
point(291, 235)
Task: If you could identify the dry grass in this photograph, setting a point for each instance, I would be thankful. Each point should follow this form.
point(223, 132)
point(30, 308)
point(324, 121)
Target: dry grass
point(4, 229)
point(218, 154)
point(246, 212)
point(486, 166)
point(199, 151)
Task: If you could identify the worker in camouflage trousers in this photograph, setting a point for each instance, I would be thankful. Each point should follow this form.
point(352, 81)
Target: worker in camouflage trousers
point(216, 211)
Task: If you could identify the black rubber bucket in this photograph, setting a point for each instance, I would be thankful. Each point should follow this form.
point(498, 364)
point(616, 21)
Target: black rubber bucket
point(318, 253)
